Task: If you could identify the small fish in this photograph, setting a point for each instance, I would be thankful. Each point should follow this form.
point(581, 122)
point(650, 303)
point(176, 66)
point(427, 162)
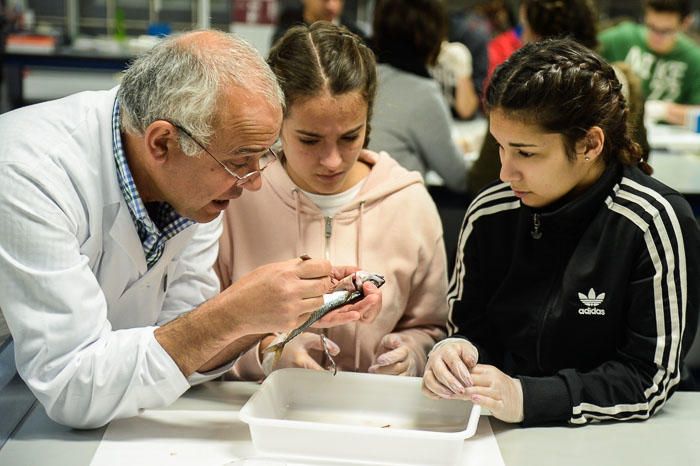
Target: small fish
point(344, 291)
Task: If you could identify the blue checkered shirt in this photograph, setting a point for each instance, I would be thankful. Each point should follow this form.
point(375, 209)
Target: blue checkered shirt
point(166, 223)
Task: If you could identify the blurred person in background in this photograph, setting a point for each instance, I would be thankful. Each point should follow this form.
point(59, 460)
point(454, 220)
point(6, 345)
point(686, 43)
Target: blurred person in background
point(331, 198)
point(310, 11)
point(411, 120)
point(471, 28)
point(502, 46)
point(665, 59)
point(574, 297)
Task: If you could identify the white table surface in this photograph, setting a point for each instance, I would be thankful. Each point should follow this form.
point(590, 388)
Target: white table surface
point(672, 437)
point(673, 138)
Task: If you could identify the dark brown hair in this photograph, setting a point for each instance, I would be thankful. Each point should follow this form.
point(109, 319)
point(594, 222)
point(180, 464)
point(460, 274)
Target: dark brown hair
point(564, 87)
point(577, 19)
point(413, 29)
point(682, 7)
point(310, 59)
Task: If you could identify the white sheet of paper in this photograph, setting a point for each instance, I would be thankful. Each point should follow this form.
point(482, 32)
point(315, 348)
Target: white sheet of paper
point(217, 438)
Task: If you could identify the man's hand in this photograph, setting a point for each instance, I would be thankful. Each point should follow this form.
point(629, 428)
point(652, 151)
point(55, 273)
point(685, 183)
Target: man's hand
point(500, 393)
point(447, 370)
point(297, 352)
point(394, 357)
point(278, 296)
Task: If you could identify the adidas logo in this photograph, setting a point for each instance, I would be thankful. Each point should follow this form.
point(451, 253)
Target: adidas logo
point(591, 301)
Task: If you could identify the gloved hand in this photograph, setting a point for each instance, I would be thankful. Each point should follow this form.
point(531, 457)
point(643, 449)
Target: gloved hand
point(455, 58)
point(500, 393)
point(447, 370)
point(394, 357)
point(296, 353)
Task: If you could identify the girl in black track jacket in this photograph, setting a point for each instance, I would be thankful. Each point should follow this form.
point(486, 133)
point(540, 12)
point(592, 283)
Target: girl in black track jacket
point(575, 293)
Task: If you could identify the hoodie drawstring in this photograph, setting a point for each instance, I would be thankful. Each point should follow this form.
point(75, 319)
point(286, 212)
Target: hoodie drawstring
point(358, 258)
point(297, 211)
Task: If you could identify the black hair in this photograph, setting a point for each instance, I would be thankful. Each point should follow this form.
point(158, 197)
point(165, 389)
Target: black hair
point(682, 7)
point(577, 19)
point(406, 30)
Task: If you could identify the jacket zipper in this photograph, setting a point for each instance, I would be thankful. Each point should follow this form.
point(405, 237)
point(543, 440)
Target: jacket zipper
point(540, 332)
point(536, 232)
point(556, 285)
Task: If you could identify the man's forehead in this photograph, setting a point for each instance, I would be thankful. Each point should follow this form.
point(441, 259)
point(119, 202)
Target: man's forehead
point(246, 108)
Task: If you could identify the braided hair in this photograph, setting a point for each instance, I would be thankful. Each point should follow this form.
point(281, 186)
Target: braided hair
point(564, 87)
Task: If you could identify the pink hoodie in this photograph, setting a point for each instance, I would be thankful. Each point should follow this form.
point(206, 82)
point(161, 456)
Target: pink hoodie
point(392, 227)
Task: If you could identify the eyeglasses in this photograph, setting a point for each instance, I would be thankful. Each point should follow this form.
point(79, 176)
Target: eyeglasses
point(667, 32)
point(262, 162)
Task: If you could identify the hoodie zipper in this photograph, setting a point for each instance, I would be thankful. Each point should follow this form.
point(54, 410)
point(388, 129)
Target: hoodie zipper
point(327, 234)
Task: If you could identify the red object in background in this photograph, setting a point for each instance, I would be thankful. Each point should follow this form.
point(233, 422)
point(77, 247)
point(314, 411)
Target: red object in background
point(500, 48)
point(254, 11)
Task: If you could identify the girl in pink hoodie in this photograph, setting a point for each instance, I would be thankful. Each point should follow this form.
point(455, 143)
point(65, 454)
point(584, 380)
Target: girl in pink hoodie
point(331, 198)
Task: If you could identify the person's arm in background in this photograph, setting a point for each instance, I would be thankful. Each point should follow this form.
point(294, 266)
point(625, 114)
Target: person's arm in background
point(455, 61)
point(687, 105)
point(466, 100)
point(476, 40)
point(679, 114)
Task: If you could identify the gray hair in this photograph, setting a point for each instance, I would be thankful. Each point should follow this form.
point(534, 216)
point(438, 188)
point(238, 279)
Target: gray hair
point(181, 79)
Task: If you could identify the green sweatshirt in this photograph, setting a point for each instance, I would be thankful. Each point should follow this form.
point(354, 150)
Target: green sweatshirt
point(672, 77)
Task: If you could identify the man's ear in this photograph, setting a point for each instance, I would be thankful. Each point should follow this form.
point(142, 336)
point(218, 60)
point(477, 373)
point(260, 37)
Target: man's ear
point(591, 145)
point(160, 139)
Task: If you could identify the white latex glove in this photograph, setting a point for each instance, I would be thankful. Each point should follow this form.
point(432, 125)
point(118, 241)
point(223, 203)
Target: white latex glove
point(394, 357)
point(500, 393)
point(456, 59)
point(447, 370)
point(296, 353)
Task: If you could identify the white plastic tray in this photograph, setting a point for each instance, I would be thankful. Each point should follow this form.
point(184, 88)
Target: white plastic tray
point(357, 418)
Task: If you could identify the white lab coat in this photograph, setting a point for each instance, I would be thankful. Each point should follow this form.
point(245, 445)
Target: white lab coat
point(74, 286)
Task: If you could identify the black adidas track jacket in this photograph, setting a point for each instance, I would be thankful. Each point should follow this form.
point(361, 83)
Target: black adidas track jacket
point(592, 304)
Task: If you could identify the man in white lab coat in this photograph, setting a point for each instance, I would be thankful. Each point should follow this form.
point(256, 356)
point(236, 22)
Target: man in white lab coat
point(109, 208)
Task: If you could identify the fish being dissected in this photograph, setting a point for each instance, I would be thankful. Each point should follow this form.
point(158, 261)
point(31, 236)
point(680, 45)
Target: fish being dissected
point(344, 291)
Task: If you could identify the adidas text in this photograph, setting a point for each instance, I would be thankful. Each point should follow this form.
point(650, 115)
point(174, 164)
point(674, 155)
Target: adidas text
point(591, 311)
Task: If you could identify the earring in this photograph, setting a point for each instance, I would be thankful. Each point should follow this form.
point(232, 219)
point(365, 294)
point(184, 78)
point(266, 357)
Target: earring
point(586, 158)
